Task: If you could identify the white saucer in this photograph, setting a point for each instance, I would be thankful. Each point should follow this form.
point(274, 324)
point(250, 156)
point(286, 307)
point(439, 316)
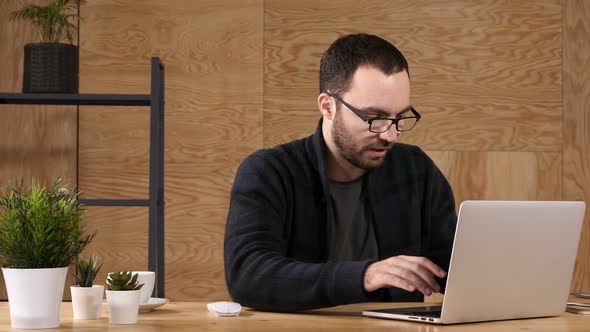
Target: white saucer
point(152, 303)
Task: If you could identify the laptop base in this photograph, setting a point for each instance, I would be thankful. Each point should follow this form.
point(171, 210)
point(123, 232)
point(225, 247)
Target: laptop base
point(427, 314)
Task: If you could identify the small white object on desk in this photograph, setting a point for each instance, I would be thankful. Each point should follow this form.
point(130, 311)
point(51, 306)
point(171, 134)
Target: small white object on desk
point(225, 308)
point(151, 304)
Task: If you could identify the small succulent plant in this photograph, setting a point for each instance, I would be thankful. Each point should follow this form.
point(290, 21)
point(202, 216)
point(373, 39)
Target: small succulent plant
point(123, 281)
point(86, 271)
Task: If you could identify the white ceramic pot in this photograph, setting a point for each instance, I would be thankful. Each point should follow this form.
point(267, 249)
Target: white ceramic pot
point(87, 301)
point(147, 278)
point(123, 306)
point(34, 296)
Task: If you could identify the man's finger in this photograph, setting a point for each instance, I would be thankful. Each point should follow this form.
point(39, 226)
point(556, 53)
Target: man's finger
point(411, 277)
point(398, 282)
point(425, 275)
point(435, 269)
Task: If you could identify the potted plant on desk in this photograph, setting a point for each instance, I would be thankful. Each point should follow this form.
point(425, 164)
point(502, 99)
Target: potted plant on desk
point(41, 233)
point(123, 293)
point(51, 66)
point(86, 297)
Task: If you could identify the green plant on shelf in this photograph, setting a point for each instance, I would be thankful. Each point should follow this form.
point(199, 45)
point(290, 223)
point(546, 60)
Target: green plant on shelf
point(53, 22)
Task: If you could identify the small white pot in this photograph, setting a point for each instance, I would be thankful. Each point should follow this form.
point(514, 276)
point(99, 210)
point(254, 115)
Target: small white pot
point(34, 296)
point(123, 306)
point(87, 301)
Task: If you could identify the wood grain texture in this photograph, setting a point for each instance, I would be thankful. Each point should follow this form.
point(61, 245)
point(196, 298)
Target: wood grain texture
point(121, 239)
point(212, 51)
point(35, 141)
point(114, 152)
point(576, 124)
point(193, 316)
point(501, 175)
point(486, 75)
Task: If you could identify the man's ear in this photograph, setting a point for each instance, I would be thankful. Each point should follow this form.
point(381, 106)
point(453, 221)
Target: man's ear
point(326, 105)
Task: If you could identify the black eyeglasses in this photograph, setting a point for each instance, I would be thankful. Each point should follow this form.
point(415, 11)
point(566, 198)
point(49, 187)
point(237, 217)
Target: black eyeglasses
point(381, 125)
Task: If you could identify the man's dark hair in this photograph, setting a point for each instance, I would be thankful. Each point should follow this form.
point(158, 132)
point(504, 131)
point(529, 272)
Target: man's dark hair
point(347, 53)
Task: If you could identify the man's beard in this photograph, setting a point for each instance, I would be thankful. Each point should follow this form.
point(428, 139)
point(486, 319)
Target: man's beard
point(350, 151)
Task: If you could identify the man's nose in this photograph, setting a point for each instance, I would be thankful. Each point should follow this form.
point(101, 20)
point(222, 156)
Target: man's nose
point(390, 135)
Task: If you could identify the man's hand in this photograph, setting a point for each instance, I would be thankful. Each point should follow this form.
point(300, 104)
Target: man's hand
point(406, 272)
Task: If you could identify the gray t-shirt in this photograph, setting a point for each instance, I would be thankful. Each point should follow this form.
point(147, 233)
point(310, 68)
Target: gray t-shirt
point(352, 234)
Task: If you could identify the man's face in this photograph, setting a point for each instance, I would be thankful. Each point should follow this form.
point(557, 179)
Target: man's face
point(376, 95)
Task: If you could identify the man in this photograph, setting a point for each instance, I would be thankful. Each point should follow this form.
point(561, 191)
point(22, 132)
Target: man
point(344, 215)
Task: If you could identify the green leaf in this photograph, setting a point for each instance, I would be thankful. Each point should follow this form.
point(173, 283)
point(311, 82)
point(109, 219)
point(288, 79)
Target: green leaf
point(41, 227)
point(123, 281)
point(53, 22)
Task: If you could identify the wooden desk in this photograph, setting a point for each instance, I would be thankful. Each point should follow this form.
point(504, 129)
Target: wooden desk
point(193, 316)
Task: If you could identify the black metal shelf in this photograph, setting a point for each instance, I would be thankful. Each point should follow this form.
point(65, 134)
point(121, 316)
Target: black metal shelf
point(75, 99)
point(114, 202)
point(155, 202)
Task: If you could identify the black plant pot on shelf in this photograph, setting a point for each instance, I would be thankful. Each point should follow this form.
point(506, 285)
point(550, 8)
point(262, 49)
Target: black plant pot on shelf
point(50, 68)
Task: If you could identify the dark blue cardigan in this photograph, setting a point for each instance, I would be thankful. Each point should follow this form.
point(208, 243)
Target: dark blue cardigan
point(276, 234)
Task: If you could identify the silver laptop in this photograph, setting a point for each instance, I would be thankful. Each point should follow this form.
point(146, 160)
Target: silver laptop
point(510, 260)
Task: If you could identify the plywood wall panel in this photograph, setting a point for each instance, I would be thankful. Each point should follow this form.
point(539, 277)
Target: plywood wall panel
point(212, 54)
point(121, 239)
point(501, 175)
point(576, 124)
point(114, 152)
point(486, 75)
point(35, 141)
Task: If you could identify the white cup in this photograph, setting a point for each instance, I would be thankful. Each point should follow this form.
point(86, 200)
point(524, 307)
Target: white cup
point(147, 278)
